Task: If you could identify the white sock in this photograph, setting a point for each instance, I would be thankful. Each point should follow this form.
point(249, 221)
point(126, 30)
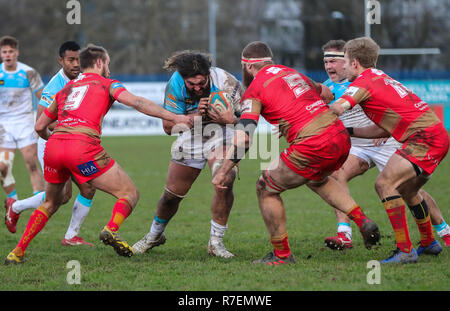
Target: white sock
point(80, 209)
point(32, 202)
point(218, 230)
point(158, 226)
point(346, 229)
point(444, 231)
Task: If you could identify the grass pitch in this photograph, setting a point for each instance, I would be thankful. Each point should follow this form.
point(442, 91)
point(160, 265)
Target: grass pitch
point(182, 264)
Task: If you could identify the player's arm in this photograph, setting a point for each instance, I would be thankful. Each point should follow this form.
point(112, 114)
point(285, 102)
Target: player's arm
point(323, 90)
point(340, 106)
point(148, 107)
point(241, 140)
point(39, 93)
point(352, 96)
point(168, 125)
point(45, 101)
point(176, 106)
point(48, 116)
point(371, 131)
point(36, 84)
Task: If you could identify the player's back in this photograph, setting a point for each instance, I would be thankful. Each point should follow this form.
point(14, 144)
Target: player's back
point(290, 100)
point(391, 105)
point(82, 104)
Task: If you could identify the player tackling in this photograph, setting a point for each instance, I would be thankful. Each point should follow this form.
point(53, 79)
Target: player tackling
point(396, 112)
point(365, 154)
point(74, 148)
point(318, 145)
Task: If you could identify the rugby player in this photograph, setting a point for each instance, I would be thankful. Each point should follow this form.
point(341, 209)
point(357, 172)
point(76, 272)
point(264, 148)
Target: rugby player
point(187, 93)
point(396, 112)
point(74, 147)
point(364, 153)
point(319, 145)
point(69, 61)
point(17, 84)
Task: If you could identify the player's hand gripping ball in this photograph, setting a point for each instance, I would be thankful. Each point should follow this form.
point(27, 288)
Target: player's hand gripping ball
point(220, 101)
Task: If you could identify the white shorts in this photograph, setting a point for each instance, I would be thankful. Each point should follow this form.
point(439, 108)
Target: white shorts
point(378, 156)
point(18, 134)
point(40, 151)
point(193, 148)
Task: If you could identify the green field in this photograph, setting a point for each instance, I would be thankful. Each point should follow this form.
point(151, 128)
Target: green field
point(182, 264)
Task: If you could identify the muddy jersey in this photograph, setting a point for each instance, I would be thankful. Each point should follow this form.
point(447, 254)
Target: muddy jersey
point(354, 117)
point(16, 89)
point(289, 100)
point(390, 105)
point(178, 100)
point(403, 114)
point(82, 104)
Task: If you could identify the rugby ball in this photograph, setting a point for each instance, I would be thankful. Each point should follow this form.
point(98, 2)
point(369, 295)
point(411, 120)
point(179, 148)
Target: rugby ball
point(220, 100)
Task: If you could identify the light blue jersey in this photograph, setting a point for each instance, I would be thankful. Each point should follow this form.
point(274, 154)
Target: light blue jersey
point(337, 88)
point(16, 89)
point(58, 81)
point(177, 99)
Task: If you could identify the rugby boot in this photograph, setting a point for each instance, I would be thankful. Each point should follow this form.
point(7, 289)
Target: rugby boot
point(216, 248)
point(370, 233)
point(11, 217)
point(338, 242)
point(272, 260)
point(148, 242)
point(13, 259)
point(113, 239)
point(433, 249)
point(446, 239)
point(401, 257)
point(76, 240)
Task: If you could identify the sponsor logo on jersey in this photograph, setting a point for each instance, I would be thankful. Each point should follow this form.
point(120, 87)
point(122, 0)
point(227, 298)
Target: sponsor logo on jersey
point(88, 168)
point(47, 100)
point(2, 82)
point(351, 91)
point(116, 85)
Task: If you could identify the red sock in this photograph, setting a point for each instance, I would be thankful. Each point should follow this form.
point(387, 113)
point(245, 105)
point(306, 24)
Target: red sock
point(357, 215)
point(37, 222)
point(395, 208)
point(421, 215)
point(426, 231)
point(121, 210)
point(281, 246)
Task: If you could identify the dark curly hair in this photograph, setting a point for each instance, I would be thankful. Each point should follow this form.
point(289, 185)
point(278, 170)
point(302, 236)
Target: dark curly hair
point(189, 63)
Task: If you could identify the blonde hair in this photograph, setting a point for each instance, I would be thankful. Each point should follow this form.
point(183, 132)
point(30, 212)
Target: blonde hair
point(364, 50)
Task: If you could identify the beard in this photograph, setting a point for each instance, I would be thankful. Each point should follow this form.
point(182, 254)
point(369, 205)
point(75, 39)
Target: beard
point(196, 97)
point(247, 78)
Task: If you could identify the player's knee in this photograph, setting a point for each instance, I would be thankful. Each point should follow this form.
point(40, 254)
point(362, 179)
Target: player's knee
point(6, 160)
point(66, 198)
point(380, 185)
point(170, 199)
point(32, 166)
point(133, 197)
point(87, 191)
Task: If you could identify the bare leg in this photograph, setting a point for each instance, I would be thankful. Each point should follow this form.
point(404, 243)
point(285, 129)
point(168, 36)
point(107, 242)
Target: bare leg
point(31, 161)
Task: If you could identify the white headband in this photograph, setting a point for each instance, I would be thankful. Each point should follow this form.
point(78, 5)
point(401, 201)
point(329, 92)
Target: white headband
point(333, 54)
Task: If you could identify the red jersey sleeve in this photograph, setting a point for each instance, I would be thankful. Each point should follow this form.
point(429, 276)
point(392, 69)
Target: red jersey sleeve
point(356, 92)
point(50, 115)
point(251, 105)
